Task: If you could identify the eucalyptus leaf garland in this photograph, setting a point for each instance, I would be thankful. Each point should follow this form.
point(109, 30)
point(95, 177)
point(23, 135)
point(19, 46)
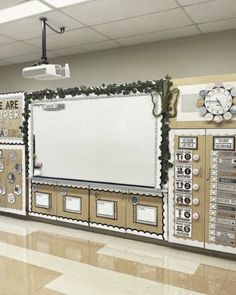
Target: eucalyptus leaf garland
point(161, 86)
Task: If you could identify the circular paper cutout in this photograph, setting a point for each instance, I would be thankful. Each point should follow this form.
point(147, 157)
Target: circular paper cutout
point(18, 190)
point(3, 190)
point(11, 198)
point(12, 155)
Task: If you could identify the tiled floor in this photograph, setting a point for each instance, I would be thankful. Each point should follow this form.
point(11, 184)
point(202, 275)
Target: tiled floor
point(42, 259)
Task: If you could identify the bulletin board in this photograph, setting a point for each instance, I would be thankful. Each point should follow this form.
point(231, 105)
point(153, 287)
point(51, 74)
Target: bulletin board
point(111, 139)
point(11, 119)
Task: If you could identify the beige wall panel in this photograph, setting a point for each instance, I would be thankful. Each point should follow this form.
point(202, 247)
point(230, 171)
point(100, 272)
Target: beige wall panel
point(79, 195)
point(131, 214)
point(119, 208)
point(202, 124)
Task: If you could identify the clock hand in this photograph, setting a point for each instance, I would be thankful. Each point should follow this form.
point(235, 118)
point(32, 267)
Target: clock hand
point(219, 102)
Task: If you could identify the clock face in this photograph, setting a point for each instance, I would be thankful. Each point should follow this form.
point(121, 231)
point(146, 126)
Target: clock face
point(218, 101)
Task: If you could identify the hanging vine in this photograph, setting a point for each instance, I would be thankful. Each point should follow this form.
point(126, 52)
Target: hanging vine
point(168, 110)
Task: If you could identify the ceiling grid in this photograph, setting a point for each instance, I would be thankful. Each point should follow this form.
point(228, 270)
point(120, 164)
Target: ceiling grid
point(104, 24)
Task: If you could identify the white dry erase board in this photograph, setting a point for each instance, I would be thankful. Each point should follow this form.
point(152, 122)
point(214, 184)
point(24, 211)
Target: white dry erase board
point(109, 139)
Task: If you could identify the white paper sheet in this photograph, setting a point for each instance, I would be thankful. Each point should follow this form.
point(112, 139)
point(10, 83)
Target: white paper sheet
point(106, 209)
point(72, 204)
point(42, 200)
point(147, 214)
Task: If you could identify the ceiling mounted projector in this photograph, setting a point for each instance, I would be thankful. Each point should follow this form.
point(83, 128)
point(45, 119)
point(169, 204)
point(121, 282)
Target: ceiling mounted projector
point(44, 70)
point(47, 72)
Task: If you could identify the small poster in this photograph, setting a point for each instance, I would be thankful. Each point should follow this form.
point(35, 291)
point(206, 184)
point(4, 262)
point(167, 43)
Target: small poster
point(183, 214)
point(11, 109)
point(187, 142)
point(183, 185)
point(183, 171)
point(224, 143)
point(42, 200)
point(183, 229)
point(183, 156)
point(146, 214)
point(106, 209)
point(183, 199)
point(72, 204)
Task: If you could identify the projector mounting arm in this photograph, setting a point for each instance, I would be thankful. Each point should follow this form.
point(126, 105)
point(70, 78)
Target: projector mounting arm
point(44, 59)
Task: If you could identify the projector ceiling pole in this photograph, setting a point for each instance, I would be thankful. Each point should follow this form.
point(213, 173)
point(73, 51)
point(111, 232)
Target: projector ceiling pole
point(44, 59)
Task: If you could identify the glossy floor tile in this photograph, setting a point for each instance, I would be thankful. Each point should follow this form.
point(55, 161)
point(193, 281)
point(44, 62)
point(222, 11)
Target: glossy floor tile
point(37, 258)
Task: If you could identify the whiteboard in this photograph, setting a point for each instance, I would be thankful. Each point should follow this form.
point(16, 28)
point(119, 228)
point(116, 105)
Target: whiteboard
point(109, 139)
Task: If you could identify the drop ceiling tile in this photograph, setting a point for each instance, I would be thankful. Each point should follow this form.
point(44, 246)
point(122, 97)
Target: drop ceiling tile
point(87, 48)
point(102, 11)
point(16, 48)
point(145, 24)
point(5, 40)
point(212, 11)
point(218, 26)
point(191, 2)
point(71, 38)
point(30, 27)
point(157, 36)
point(34, 58)
point(8, 3)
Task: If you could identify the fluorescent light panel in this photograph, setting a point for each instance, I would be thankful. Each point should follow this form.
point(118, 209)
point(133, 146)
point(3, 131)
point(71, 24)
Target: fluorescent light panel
point(22, 10)
point(63, 3)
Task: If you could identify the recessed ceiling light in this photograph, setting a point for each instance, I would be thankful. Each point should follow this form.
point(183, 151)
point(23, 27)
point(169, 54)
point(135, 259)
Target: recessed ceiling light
point(22, 10)
point(62, 3)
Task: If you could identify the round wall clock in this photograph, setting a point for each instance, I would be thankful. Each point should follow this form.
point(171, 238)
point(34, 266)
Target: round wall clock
point(217, 102)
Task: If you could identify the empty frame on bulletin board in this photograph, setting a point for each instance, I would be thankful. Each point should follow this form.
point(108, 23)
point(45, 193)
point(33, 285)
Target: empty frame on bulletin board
point(111, 139)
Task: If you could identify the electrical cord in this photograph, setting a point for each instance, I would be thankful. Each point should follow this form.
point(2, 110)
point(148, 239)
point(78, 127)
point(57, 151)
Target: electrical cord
point(62, 29)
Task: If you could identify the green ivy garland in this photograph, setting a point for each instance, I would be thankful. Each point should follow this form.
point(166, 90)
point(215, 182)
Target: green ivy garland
point(156, 86)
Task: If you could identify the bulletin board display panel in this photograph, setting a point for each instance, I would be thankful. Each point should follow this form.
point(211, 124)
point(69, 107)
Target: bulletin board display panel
point(11, 119)
point(110, 139)
point(12, 179)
